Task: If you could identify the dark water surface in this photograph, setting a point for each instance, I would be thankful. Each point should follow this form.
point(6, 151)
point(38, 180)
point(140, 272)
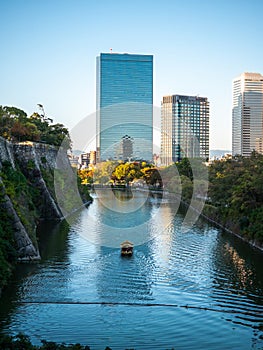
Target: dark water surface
point(200, 289)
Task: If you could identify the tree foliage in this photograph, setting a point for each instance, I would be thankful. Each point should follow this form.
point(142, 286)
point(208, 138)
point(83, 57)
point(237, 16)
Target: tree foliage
point(121, 174)
point(102, 172)
point(7, 250)
point(236, 192)
point(86, 176)
point(16, 126)
point(179, 177)
point(125, 173)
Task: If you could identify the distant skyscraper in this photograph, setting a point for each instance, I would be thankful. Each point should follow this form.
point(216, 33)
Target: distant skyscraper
point(247, 114)
point(124, 105)
point(184, 128)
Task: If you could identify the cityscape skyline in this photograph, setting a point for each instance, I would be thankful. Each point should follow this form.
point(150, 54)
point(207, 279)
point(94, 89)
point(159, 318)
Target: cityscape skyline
point(49, 49)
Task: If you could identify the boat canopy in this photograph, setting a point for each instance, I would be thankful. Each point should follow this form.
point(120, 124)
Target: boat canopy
point(126, 244)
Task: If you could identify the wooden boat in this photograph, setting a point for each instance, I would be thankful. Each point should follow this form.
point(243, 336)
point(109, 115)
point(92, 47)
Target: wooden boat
point(126, 248)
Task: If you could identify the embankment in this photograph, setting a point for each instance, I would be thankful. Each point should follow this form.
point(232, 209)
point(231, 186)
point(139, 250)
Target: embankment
point(27, 195)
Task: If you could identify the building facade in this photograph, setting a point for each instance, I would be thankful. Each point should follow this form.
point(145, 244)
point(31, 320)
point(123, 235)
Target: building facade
point(87, 159)
point(124, 95)
point(184, 128)
point(247, 114)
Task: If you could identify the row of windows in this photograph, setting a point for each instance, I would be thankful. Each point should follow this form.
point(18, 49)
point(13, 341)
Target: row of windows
point(122, 80)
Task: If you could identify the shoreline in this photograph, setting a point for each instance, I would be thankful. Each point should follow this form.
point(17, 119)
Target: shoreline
point(226, 229)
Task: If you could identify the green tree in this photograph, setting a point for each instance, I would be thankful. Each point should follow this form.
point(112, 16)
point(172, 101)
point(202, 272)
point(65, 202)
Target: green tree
point(102, 172)
point(86, 176)
point(236, 190)
point(16, 126)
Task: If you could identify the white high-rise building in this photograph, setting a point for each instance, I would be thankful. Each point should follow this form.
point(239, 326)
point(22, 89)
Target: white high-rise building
point(247, 114)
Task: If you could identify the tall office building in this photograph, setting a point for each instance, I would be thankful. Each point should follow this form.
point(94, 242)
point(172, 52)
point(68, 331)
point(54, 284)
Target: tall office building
point(184, 128)
point(247, 114)
point(124, 105)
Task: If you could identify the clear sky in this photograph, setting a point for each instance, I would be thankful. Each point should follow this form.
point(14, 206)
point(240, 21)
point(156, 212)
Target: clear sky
point(49, 48)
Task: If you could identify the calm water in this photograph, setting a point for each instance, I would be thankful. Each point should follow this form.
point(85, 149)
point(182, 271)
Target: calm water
point(200, 289)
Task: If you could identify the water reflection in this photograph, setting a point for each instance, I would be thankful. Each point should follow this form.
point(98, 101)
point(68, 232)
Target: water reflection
point(110, 222)
point(241, 269)
point(123, 195)
point(162, 233)
point(205, 286)
point(122, 279)
point(53, 240)
point(237, 266)
point(30, 281)
point(237, 285)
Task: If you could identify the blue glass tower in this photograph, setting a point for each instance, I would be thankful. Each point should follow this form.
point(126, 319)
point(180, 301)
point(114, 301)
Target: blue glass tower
point(124, 106)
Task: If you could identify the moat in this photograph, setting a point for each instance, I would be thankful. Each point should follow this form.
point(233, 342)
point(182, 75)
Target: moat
point(185, 289)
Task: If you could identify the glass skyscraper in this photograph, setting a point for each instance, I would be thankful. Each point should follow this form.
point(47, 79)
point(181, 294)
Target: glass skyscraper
point(184, 128)
point(247, 114)
point(124, 106)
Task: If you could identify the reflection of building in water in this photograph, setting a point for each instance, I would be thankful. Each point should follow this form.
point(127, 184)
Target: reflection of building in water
point(122, 216)
point(162, 229)
point(116, 216)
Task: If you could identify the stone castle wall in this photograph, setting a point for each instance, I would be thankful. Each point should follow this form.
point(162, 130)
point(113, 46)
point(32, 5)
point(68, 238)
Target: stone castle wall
point(41, 156)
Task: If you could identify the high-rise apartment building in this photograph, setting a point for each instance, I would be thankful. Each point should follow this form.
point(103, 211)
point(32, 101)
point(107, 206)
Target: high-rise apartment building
point(124, 105)
point(184, 128)
point(247, 114)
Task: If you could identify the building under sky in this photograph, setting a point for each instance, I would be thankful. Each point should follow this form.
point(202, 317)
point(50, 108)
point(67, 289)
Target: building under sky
point(247, 114)
point(184, 128)
point(124, 98)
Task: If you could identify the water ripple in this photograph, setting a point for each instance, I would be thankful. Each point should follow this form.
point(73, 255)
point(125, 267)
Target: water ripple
point(187, 290)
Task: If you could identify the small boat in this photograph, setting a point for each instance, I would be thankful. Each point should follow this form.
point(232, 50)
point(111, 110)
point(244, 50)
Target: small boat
point(126, 248)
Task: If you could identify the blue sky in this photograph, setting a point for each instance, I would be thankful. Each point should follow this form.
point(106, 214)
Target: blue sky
point(48, 51)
